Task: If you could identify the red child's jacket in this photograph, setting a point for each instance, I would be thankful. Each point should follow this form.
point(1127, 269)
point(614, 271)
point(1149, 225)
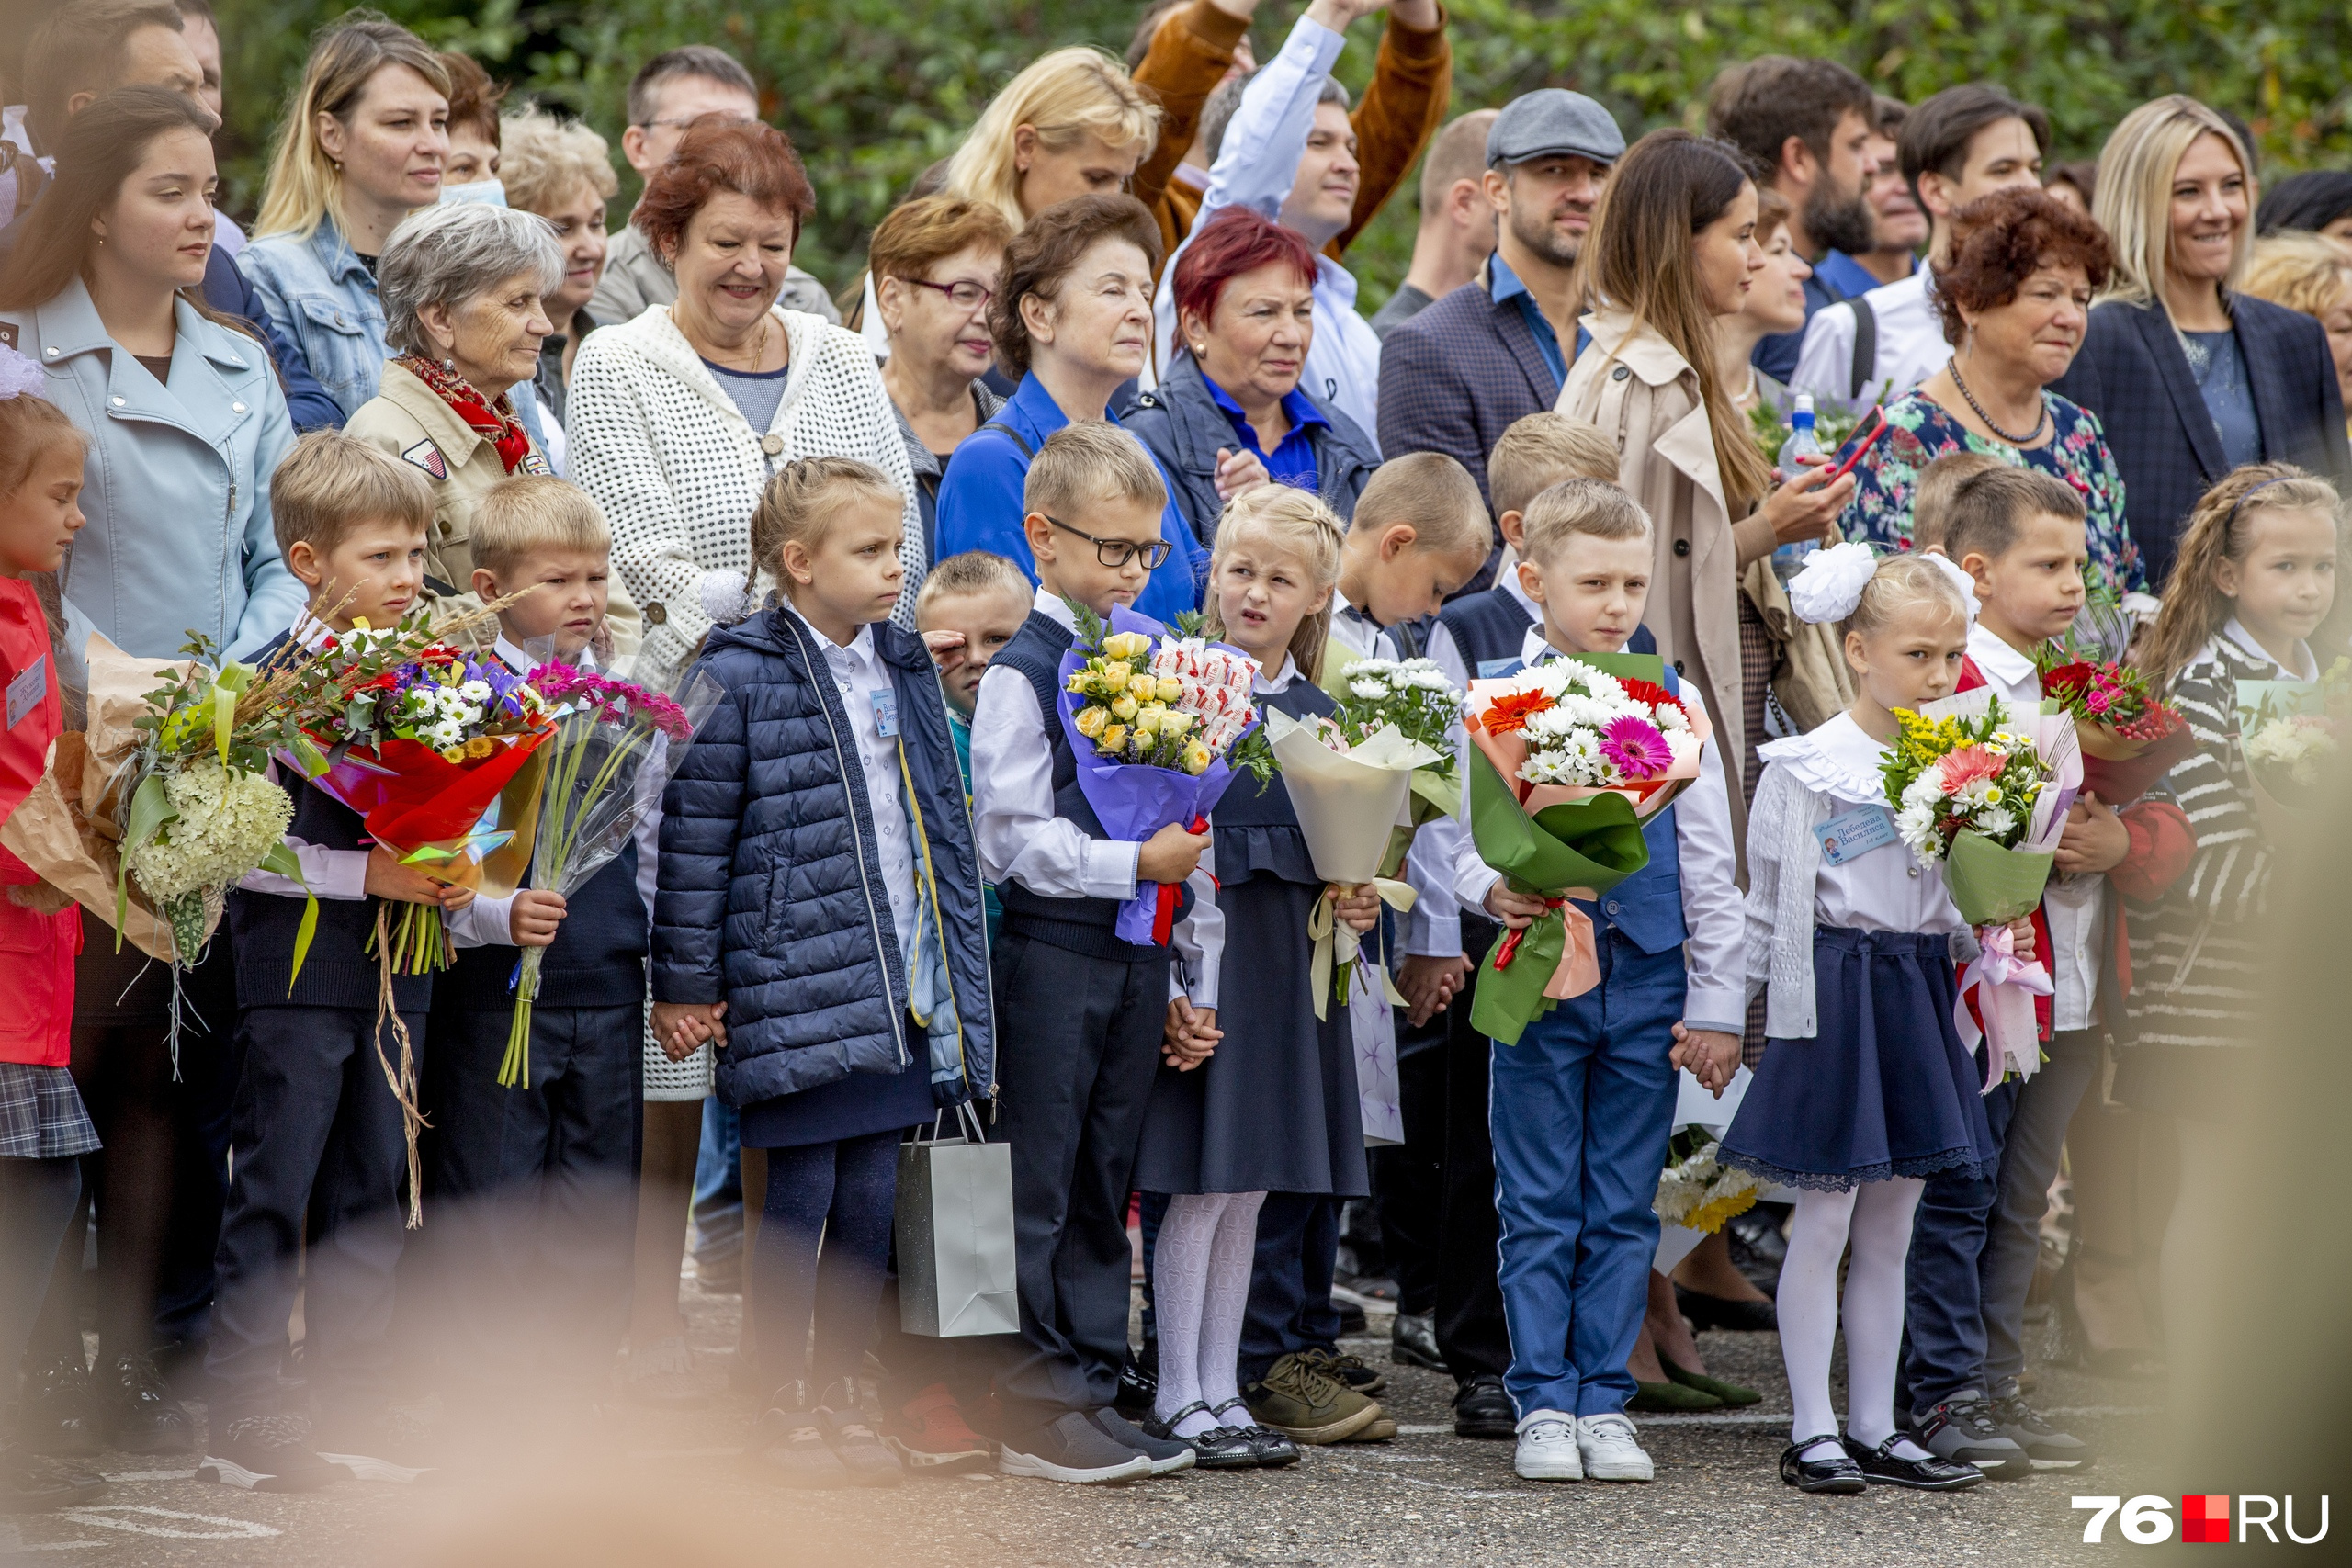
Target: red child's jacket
point(37, 951)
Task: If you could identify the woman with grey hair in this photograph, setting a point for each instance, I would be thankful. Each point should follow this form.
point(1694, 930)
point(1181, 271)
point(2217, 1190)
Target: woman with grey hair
point(463, 288)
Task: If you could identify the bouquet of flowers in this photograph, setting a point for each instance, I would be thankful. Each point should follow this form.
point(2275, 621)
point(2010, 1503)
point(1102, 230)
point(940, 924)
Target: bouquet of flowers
point(1695, 1193)
point(612, 745)
point(2290, 734)
point(1412, 697)
point(1157, 723)
point(2130, 739)
point(1986, 792)
point(1569, 760)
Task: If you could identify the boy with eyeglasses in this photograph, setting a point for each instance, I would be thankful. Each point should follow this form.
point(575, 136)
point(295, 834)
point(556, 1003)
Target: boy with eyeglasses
point(1077, 1067)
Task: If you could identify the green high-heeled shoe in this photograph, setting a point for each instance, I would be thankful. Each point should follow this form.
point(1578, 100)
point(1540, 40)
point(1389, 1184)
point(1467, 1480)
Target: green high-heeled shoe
point(1699, 1382)
point(1656, 1397)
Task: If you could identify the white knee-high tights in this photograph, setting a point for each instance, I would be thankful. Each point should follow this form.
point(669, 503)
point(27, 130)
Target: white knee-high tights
point(1200, 1282)
point(1876, 1216)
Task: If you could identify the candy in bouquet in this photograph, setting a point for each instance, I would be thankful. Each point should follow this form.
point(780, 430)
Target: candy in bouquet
point(1156, 721)
point(1567, 761)
point(2130, 739)
point(1986, 791)
point(1413, 697)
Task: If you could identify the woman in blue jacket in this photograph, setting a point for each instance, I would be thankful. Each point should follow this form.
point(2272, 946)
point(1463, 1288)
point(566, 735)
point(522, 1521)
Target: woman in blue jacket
point(819, 914)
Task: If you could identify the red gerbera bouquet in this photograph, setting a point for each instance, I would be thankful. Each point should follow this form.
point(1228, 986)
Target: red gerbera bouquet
point(2130, 738)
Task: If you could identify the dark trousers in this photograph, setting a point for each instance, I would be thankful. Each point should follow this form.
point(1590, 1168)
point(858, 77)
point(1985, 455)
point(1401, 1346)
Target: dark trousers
point(1943, 1280)
point(535, 1189)
point(2030, 1156)
point(1471, 1331)
point(1077, 1050)
point(37, 1204)
point(315, 1126)
point(1290, 1281)
point(1408, 1180)
point(824, 1243)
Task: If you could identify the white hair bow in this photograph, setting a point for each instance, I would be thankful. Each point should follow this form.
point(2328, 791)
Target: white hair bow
point(1832, 581)
point(1960, 579)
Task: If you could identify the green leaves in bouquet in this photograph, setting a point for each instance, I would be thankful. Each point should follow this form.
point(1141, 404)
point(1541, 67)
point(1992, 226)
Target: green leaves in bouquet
point(1254, 754)
point(1091, 628)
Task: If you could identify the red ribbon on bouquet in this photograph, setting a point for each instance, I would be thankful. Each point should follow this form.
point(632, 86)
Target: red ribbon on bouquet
point(1508, 949)
point(1163, 910)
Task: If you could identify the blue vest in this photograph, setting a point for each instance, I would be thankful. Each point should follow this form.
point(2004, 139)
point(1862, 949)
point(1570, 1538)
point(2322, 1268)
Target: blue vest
point(1490, 628)
point(1648, 906)
point(1078, 925)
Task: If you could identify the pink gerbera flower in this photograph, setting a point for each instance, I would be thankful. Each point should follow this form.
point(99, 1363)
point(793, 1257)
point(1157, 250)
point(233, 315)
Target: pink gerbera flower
point(1965, 766)
point(1636, 749)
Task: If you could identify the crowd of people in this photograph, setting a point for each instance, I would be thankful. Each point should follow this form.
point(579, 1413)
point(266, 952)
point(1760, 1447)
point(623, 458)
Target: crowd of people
point(1110, 353)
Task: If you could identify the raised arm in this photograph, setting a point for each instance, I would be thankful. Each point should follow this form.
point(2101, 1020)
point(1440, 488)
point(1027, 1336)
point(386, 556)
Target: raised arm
point(1413, 80)
point(1191, 51)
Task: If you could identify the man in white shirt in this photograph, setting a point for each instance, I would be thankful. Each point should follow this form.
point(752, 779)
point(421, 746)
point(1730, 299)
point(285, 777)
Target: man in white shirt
point(1966, 143)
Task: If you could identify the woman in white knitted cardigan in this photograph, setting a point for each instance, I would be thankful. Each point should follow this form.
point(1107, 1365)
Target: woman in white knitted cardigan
point(679, 419)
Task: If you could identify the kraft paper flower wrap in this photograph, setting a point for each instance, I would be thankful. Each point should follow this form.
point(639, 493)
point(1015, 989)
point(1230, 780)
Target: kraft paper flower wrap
point(1562, 843)
point(1123, 770)
point(1348, 802)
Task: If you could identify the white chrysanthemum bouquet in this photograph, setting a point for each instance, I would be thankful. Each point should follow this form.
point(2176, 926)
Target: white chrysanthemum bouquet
point(1696, 1193)
point(1585, 727)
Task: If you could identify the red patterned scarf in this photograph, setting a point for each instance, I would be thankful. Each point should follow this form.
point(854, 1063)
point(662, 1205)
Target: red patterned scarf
point(496, 422)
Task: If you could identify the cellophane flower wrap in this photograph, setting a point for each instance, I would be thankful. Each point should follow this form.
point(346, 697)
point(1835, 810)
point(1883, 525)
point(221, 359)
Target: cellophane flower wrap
point(613, 747)
point(1412, 697)
point(1984, 791)
point(2291, 734)
point(2130, 739)
point(1567, 760)
point(1696, 1193)
point(1154, 720)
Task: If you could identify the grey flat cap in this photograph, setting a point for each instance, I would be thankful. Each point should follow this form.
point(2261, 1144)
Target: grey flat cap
point(1550, 122)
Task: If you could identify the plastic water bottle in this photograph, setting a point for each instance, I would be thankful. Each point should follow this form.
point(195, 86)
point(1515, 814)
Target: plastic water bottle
point(1788, 560)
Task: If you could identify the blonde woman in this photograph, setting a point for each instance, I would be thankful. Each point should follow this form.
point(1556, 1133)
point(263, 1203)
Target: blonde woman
point(561, 169)
point(2190, 377)
point(2312, 274)
point(363, 144)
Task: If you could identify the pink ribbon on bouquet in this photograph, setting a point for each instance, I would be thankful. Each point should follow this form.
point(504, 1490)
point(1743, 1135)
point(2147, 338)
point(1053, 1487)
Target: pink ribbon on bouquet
point(1578, 970)
point(2004, 987)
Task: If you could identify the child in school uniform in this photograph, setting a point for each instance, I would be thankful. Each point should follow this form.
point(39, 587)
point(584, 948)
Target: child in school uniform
point(44, 1128)
point(1475, 635)
point(2018, 535)
point(317, 1133)
point(2254, 580)
point(970, 606)
point(1092, 1007)
point(1259, 1096)
point(1864, 1092)
point(536, 1180)
point(1581, 1107)
point(819, 917)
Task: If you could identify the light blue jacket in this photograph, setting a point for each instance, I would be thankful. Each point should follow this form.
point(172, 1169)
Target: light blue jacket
point(177, 497)
point(321, 298)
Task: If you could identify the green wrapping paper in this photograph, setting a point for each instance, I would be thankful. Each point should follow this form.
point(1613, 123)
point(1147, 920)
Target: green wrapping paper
point(1993, 886)
point(1588, 845)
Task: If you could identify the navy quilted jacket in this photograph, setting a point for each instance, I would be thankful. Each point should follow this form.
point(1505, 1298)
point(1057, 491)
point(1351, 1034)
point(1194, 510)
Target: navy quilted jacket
point(770, 893)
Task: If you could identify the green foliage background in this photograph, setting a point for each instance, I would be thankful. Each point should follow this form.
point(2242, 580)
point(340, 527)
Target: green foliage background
point(872, 91)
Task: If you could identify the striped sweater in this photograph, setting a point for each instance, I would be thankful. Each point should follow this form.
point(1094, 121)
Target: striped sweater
point(2195, 964)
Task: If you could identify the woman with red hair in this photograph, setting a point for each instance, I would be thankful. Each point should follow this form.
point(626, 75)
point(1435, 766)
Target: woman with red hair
point(1231, 404)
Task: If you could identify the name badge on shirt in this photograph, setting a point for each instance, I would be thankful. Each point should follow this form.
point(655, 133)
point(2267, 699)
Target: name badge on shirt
point(1847, 836)
point(26, 690)
point(885, 709)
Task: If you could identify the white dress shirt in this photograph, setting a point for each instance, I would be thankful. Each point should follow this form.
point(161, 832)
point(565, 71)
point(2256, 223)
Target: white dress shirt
point(2235, 631)
point(1256, 166)
point(1885, 889)
point(2074, 904)
point(1022, 838)
point(1712, 914)
point(1911, 344)
point(858, 674)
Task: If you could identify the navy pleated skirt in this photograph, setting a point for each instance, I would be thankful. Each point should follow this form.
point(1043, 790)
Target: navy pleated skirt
point(1884, 1089)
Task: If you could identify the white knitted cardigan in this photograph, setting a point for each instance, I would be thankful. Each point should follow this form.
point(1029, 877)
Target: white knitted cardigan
point(1802, 787)
point(679, 471)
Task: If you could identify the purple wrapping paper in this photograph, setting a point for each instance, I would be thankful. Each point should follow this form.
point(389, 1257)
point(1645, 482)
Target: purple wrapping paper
point(1134, 801)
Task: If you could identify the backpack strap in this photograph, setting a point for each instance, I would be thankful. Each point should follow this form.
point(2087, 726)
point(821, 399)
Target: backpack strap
point(1013, 435)
point(1865, 344)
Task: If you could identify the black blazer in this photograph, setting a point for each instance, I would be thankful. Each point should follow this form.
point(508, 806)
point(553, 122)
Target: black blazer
point(2132, 375)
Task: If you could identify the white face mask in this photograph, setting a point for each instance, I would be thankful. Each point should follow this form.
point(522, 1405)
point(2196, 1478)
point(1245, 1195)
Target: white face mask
point(488, 193)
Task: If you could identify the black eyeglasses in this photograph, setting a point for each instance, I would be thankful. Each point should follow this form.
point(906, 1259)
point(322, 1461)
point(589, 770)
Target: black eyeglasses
point(1116, 553)
point(967, 296)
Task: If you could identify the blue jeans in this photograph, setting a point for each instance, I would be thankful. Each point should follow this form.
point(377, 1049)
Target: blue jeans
point(1943, 1281)
point(718, 1206)
point(1580, 1110)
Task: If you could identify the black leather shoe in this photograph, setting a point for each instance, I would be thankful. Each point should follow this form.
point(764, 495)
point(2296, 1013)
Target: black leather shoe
point(1412, 1341)
point(1352, 1318)
point(1836, 1472)
point(1481, 1409)
point(1139, 1388)
point(1882, 1466)
point(1219, 1448)
point(144, 1417)
point(60, 1412)
point(1714, 1311)
point(1273, 1449)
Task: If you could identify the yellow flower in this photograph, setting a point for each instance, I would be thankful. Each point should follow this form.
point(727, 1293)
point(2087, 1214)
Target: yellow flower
point(1197, 758)
point(481, 746)
point(453, 753)
point(1113, 678)
point(1126, 645)
point(1080, 681)
point(1123, 707)
point(1175, 723)
point(1091, 721)
point(1148, 720)
point(1170, 689)
point(1114, 737)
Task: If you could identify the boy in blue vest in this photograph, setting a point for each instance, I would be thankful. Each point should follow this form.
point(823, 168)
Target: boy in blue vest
point(1091, 1009)
point(537, 1181)
point(1581, 1106)
point(316, 1127)
point(1476, 635)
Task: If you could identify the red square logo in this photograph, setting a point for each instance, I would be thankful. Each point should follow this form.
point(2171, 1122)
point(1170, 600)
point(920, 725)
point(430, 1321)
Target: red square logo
point(2205, 1518)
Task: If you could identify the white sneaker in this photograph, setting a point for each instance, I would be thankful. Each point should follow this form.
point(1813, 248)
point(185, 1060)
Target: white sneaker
point(1609, 1450)
point(1547, 1447)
